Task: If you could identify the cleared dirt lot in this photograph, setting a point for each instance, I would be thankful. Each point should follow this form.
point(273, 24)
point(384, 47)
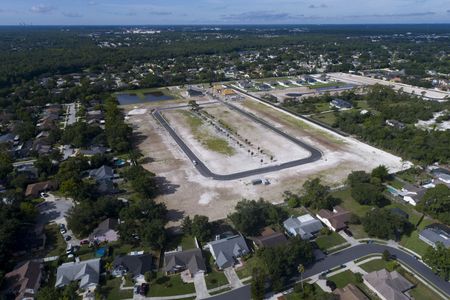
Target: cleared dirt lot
point(263, 148)
point(189, 193)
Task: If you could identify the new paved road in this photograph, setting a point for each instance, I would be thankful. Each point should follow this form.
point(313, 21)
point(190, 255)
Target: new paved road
point(203, 169)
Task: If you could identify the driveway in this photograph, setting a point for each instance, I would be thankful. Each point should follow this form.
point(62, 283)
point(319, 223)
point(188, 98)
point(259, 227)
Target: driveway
point(233, 278)
point(54, 210)
point(200, 286)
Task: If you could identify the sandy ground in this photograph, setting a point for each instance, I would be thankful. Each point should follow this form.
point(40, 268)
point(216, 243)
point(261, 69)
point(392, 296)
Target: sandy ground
point(272, 144)
point(189, 193)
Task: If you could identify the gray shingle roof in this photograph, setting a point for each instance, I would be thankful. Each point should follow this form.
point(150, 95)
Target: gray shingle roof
point(433, 235)
point(227, 250)
point(87, 272)
point(102, 173)
point(135, 264)
point(390, 285)
point(189, 259)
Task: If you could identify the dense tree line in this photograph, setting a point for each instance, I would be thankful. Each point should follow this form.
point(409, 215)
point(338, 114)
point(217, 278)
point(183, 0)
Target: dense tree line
point(384, 224)
point(436, 203)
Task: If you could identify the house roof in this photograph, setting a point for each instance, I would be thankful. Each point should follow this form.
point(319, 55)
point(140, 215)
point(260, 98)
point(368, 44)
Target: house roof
point(22, 278)
point(103, 173)
point(87, 272)
point(338, 217)
point(391, 285)
point(104, 227)
point(135, 264)
point(350, 292)
point(7, 138)
point(227, 249)
point(341, 103)
point(435, 234)
point(269, 238)
point(304, 225)
point(35, 188)
point(189, 259)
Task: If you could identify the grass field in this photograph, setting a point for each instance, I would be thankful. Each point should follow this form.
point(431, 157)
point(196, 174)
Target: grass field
point(55, 242)
point(327, 241)
point(212, 143)
point(378, 264)
point(112, 290)
point(140, 92)
point(347, 277)
point(214, 278)
point(169, 286)
point(328, 118)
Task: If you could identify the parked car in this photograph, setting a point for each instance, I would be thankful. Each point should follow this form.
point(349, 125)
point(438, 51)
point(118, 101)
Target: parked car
point(69, 249)
point(62, 230)
point(137, 289)
point(67, 238)
point(144, 289)
point(348, 232)
point(84, 242)
point(44, 195)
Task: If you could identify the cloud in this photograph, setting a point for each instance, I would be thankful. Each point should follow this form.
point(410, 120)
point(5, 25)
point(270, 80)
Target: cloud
point(41, 9)
point(72, 15)
point(160, 13)
point(261, 16)
point(323, 5)
point(413, 14)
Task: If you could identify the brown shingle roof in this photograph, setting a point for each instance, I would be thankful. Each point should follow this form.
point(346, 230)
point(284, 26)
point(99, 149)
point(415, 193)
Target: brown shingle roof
point(26, 277)
point(338, 217)
point(35, 188)
point(350, 292)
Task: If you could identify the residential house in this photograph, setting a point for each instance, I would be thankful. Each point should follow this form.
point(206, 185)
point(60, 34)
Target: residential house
point(103, 173)
point(399, 212)
point(86, 272)
point(396, 124)
point(191, 92)
point(94, 150)
point(336, 219)
point(412, 194)
point(305, 226)
point(441, 174)
point(350, 292)
point(106, 231)
point(436, 233)
point(269, 238)
point(340, 104)
point(23, 282)
point(190, 260)
point(7, 138)
point(245, 84)
point(104, 177)
point(34, 189)
point(227, 251)
point(388, 285)
point(136, 265)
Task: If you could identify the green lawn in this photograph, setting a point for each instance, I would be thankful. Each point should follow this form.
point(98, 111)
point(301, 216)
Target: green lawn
point(327, 118)
point(169, 286)
point(249, 265)
point(140, 92)
point(327, 241)
point(350, 204)
point(413, 242)
point(55, 241)
point(111, 290)
point(347, 277)
point(362, 104)
point(322, 106)
point(214, 278)
point(378, 264)
point(420, 291)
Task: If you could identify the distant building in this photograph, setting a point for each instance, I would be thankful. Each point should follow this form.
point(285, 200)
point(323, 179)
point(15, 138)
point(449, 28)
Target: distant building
point(336, 219)
point(227, 251)
point(340, 104)
point(305, 226)
point(436, 233)
point(190, 260)
point(191, 92)
point(269, 238)
point(87, 273)
point(441, 174)
point(396, 124)
point(23, 282)
point(350, 292)
point(388, 285)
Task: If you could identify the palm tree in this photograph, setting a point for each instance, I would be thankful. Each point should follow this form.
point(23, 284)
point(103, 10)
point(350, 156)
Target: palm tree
point(301, 270)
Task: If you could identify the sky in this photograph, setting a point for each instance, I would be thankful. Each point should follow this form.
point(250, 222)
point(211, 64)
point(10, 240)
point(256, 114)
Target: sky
point(221, 12)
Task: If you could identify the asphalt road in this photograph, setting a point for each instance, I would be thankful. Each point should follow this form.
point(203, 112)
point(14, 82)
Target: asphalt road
point(203, 169)
point(356, 252)
point(345, 256)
